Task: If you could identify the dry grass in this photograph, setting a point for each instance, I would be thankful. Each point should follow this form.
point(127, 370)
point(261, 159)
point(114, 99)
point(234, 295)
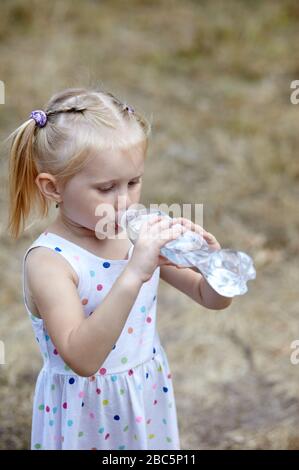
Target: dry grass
point(216, 76)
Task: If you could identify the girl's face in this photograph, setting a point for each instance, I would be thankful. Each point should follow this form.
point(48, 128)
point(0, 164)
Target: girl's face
point(113, 177)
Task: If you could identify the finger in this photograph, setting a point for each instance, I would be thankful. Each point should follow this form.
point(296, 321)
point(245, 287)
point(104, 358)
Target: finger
point(150, 221)
point(163, 261)
point(153, 218)
point(195, 227)
point(160, 225)
point(170, 234)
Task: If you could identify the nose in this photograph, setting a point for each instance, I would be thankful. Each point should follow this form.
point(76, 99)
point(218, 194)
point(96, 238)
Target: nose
point(122, 204)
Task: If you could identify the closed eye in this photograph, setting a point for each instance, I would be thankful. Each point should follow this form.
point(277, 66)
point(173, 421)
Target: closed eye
point(132, 183)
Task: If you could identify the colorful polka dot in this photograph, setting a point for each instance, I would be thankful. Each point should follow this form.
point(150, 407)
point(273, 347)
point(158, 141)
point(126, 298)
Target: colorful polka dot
point(130, 330)
point(57, 248)
point(116, 418)
point(64, 405)
point(84, 301)
point(124, 360)
point(70, 422)
point(105, 402)
point(41, 407)
point(106, 264)
point(55, 352)
point(92, 273)
point(99, 287)
point(101, 430)
point(148, 319)
point(71, 381)
point(38, 446)
point(143, 309)
point(114, 378)
point(103, 371)
point(165, 389)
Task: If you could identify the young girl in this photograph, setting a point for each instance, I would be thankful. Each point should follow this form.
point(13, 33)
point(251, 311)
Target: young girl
point(105, 382)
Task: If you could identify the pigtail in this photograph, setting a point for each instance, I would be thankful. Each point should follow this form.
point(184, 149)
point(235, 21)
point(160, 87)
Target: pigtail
point(23, 190)
point(76, 123)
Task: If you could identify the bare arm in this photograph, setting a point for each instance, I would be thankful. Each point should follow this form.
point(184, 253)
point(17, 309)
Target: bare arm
point(194, 285)
point(83, 343)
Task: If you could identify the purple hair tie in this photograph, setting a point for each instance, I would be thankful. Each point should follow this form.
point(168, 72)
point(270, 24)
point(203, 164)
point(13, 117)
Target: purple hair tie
point(128, 108)
point(40, 117)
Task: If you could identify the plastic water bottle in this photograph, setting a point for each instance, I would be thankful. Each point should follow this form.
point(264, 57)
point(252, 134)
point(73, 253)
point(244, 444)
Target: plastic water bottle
point(227, 271)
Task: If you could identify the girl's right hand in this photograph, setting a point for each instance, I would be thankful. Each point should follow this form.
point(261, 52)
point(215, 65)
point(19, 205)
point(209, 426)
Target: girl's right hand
point(154, 233)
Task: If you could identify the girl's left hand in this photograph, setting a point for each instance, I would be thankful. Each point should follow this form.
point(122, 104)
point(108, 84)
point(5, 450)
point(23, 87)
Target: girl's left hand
point(209, 237)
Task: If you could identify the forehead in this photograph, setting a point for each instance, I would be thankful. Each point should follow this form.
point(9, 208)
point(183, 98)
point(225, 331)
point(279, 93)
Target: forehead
point(115, 164)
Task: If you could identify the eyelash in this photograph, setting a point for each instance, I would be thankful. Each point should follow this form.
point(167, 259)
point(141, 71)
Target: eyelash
point(109, 189)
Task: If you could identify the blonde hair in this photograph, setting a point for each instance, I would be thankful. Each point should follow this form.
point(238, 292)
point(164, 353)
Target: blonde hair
point(80, 122)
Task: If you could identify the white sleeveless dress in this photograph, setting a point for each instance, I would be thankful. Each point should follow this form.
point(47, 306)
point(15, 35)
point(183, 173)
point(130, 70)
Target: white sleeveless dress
point(129, 403)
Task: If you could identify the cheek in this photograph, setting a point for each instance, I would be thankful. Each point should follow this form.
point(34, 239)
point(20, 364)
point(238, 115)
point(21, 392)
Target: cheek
point(95, 203)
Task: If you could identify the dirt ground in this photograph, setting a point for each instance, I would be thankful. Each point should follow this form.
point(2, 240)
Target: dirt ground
point(215, 76)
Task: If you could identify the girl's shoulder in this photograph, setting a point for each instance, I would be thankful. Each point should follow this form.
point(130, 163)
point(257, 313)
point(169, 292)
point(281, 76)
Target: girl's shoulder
point(39, 256)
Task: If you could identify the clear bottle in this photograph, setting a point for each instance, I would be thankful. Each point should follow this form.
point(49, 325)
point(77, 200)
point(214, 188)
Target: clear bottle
point(227, 271)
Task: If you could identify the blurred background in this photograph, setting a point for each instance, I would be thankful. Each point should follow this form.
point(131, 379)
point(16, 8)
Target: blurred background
point(216, 78)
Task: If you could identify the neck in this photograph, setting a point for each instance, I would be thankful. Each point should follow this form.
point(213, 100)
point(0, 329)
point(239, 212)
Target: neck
point(68, 227)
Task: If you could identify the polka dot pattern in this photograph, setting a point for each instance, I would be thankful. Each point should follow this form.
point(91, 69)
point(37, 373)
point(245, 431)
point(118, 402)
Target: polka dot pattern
point(129, 399)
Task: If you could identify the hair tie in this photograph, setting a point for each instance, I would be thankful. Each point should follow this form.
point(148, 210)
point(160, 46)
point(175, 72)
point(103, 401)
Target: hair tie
point(128, 108)
point(40, 117)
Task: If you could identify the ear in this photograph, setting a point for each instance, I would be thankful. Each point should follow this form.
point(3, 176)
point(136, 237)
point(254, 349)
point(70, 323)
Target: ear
point(48, 186)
